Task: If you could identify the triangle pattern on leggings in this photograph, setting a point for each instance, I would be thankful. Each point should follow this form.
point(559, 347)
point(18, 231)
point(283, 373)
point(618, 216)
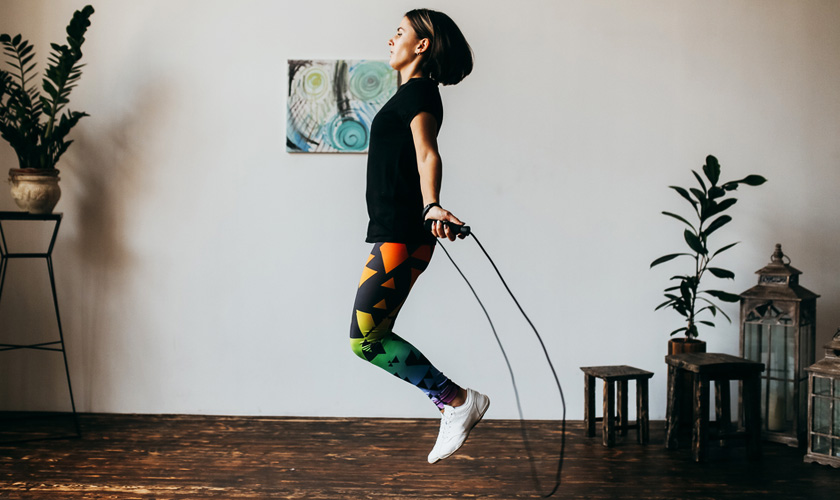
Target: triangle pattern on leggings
point(393, 254)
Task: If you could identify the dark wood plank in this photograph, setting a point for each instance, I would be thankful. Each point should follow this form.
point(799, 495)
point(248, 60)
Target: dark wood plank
point(701, 417)
point(723, 413)
point(622, 420)
point(616, 372)
point(642, 416)
point(672, 409)
point(204, 457)
point(608, 430)
point(589, 417)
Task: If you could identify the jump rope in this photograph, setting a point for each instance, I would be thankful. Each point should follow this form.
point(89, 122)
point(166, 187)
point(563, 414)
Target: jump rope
point(464, 231)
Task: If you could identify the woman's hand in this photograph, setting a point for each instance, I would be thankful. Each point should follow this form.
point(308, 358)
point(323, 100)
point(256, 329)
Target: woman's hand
point(441, 230)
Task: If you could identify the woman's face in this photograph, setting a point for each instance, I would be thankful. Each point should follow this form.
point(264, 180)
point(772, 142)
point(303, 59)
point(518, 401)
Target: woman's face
point(404, 45)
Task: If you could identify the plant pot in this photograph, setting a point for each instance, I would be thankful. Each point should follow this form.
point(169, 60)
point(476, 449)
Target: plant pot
point(685, 344)
point(685, 388)
point(35, 190)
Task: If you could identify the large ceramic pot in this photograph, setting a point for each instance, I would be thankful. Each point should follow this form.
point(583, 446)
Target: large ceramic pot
point(35, 190)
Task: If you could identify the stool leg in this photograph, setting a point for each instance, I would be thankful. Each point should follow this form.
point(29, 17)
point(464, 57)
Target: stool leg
point(701, 417)
point(642, 417)
point(722, 412)
point(609, 413)
point(589, 404)
point(622, 420)
point(672, 417)
point(752, 415)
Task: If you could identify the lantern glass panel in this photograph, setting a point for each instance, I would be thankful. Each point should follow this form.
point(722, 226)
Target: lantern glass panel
point(781, 340)
point(822, 386)
point(821, 445)
point(790, 353)
point(777, 415)
point(836, 426)
point(837, 447)
point(752, 332)
point(822, 414)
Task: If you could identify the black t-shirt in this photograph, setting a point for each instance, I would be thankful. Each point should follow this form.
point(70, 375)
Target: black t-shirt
point(394, 199)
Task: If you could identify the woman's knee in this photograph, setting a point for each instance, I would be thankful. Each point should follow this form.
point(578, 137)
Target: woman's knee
point(356, 347)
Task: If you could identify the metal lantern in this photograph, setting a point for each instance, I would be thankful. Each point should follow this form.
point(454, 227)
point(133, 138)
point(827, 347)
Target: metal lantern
point(824, 407)
point(778, 319)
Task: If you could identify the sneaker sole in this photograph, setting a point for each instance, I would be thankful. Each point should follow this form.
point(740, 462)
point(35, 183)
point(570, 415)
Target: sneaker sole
point(480, 416)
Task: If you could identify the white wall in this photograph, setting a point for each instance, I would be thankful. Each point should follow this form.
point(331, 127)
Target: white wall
point(202, 269)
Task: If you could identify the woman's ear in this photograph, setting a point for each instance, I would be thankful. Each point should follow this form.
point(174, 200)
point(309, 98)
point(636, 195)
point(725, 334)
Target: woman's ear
point(422, 46)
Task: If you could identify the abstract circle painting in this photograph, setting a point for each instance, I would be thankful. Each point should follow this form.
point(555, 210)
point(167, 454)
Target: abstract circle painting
point(331, 103)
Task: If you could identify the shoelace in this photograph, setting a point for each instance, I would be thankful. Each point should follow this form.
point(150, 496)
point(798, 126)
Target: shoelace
point(446, 425)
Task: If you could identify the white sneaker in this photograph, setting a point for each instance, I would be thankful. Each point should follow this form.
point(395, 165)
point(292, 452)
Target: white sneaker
point(456, 424)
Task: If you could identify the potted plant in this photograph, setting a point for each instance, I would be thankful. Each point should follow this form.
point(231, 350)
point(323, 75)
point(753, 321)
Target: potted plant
point(709, 202)
point(31, 121)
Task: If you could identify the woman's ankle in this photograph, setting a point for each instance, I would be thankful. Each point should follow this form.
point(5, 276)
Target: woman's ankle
point(460, 399)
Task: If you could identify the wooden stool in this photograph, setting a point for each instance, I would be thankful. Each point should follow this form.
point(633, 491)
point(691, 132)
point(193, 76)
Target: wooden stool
point(722, 368)
point(611, 421)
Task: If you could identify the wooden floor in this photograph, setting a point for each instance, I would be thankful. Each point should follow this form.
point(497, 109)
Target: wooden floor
point(195, 457)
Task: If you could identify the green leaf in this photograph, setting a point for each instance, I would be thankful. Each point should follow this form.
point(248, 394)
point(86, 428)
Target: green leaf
point(752, 180)
point(679, 218)
point(710, 308)
point(724, 296)
point(694, 242)
point(716, 192)
point(691, 331)
point(660, 306)
point(727, 247)
point(716, 224)
point(678, 330)
point(715, 309)
point(720, 206)
point(700, 195)
point(700, 180)
point(666, 258)
point(684, 194)
point(712, 169)
point(685, 291)
point(707, 323)
point(721, 273)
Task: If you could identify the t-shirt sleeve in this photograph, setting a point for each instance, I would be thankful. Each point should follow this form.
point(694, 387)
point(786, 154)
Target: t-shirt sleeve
point(423, 96)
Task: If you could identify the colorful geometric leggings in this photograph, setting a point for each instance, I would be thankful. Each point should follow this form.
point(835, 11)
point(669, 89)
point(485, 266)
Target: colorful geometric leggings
point(390, 272)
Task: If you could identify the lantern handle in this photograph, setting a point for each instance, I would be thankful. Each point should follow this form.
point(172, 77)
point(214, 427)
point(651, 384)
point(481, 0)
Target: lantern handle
point(779, 256)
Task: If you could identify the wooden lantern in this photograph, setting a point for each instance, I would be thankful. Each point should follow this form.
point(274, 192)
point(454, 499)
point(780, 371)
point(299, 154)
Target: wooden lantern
point(778, 319)
point(824, 407)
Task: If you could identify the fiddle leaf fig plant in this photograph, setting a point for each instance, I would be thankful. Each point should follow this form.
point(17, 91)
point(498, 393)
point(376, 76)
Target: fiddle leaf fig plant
point(708, 202)
point(30, 121)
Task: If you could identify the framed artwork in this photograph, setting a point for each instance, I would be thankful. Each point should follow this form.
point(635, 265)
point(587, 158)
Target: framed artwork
point(331, 103)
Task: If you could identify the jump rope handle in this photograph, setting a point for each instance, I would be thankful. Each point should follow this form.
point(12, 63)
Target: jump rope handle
point(458, 228)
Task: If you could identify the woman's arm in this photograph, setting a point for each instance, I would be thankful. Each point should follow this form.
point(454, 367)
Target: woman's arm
point(424, 132)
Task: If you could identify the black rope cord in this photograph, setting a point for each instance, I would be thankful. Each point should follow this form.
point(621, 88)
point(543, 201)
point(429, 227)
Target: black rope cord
point(557, 479)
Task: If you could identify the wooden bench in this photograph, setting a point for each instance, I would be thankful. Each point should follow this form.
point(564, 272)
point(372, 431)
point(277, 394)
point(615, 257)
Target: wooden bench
point(720, 368)
point(613, 422)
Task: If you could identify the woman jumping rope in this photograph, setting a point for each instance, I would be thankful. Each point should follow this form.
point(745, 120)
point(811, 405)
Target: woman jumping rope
point(404, 173)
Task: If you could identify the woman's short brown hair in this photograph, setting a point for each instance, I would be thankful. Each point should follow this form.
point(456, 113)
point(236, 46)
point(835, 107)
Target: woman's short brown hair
point(449, 58)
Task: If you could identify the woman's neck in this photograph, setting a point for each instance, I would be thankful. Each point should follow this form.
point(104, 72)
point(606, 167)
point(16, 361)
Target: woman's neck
point(409, 72)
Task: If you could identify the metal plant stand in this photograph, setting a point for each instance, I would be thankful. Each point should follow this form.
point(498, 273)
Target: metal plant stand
point(5, 257)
